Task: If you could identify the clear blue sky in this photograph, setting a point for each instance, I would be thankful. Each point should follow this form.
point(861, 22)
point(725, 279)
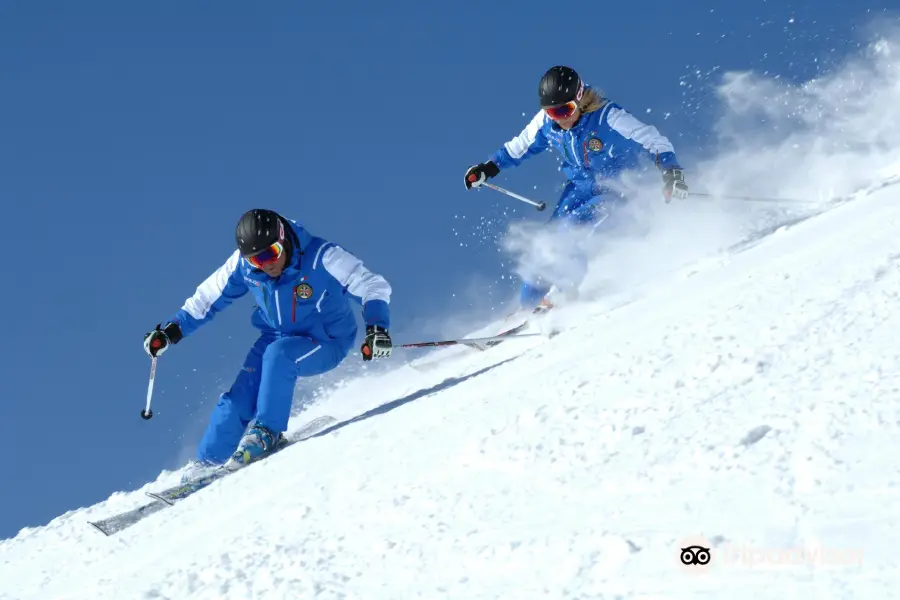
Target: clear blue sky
point(133, 135)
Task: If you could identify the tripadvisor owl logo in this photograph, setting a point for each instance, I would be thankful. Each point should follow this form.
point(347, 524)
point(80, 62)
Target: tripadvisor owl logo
point(694, 554)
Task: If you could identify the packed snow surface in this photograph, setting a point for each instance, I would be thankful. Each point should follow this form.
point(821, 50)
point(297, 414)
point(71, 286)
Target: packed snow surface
point(747, 402)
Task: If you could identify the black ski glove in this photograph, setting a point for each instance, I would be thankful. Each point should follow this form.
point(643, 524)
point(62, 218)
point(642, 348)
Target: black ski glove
point(157, 341)
point(674, 185)
point(478, 174)
point(377, 343)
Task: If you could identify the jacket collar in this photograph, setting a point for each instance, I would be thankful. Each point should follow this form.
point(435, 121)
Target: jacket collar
point(300, 239)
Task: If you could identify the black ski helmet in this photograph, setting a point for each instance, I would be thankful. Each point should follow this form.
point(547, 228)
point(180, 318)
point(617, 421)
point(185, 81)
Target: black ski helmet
point(257, 230)
point(559, 85)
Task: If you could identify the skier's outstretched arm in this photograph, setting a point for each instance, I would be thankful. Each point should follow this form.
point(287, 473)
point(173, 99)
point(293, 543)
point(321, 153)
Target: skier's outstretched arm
point(217, 291)
point(529, 142)
point(647, 136)
point(658, 145)
point(371, 290)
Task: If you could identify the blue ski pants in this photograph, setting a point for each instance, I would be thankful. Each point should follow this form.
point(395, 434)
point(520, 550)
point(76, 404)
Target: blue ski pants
point(264, 390)
point(577, 208)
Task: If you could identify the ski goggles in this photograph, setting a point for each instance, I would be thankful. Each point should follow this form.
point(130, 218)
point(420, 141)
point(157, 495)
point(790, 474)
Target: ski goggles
point(269, 254)
point(563, 111)
point(266, 256)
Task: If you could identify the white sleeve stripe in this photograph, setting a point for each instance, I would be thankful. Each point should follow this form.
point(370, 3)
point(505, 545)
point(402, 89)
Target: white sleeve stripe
point(605, 110)
point(319, 253)
point(646, 135)
point(308, 354)
point(518, 146)
point(350, 272)
point(211, 289)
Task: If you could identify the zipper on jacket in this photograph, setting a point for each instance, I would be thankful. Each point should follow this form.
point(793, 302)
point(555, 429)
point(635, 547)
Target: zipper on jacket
point(294, 306)
point(267, 303)
point(278, 307)
point(574, 151)
point(567, 141)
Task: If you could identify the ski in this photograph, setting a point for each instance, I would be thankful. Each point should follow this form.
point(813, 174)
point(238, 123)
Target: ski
point(124, 520)
point(490, 343)
point(427, 363)
point(168, 497)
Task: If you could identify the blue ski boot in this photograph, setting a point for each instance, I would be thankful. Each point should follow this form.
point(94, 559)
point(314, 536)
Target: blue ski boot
point(255, 444)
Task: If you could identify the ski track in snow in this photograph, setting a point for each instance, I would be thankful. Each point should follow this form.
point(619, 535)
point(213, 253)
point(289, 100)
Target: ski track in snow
point(750, 400)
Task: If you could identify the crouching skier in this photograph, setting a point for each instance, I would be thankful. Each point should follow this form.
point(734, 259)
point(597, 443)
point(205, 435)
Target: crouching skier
point(302, 285)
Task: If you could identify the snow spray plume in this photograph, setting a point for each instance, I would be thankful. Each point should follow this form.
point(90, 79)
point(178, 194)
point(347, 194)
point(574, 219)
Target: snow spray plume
point(826, 137)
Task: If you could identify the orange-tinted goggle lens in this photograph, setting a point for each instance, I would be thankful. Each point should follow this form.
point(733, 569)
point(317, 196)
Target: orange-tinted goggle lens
point(563, 111)
point(267, 256)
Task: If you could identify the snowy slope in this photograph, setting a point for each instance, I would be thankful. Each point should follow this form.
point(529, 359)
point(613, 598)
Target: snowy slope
point(750, 401)
point(744, 401)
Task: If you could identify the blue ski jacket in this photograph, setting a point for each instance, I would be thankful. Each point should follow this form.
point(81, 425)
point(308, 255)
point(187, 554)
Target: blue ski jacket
point(309, 298)
point(601, 145)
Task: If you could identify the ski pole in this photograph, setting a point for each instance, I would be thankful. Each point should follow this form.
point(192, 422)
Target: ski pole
point(147, 413)
point(749, 198)
point(538, 205)
point(467, 341)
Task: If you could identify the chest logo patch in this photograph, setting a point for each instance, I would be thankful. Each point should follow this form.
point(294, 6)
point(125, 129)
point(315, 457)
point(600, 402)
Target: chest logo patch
point(595, 145)
point(304, 291)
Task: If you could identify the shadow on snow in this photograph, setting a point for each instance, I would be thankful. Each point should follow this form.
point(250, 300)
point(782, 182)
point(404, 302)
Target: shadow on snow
point(389, 406)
